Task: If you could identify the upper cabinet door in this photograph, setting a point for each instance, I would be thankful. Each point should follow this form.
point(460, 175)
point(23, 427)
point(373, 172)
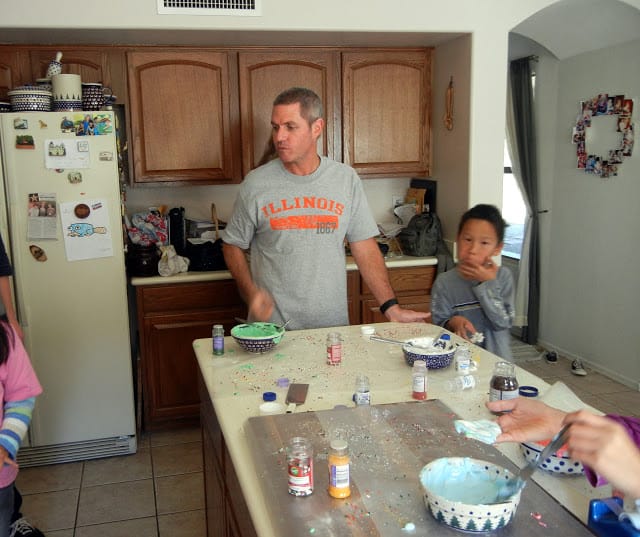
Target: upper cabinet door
point(182, 105)
point(385, 112)
point(264, 74)
point(10, 72)
point(91, 64)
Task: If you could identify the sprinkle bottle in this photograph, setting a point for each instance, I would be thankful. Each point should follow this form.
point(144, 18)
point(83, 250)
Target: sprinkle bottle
point(419, 380)
point(334, 349)
point(362, 395)
point(217, 335)
point(300, 466)
point(339, 485)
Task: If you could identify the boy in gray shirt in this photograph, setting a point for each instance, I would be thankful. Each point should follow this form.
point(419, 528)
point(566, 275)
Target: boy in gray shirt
point(477, 296)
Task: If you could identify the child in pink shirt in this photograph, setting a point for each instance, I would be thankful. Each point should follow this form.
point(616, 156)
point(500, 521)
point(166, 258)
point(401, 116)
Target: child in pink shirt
point(19, 387)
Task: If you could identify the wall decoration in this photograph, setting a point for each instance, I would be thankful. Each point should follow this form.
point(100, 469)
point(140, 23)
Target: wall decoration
point(606, 165)
point(448, 105)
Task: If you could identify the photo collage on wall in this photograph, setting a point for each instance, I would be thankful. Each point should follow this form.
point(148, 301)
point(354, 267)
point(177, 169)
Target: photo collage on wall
point(604, 104)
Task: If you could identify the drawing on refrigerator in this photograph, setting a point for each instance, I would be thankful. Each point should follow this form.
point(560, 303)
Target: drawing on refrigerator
point(69, 281)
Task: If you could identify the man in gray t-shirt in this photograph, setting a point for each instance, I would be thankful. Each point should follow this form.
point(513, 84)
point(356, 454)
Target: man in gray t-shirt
point(294, 214)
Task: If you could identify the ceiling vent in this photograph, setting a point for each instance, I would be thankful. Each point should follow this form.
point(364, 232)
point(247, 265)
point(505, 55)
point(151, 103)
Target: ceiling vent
point(210, 7)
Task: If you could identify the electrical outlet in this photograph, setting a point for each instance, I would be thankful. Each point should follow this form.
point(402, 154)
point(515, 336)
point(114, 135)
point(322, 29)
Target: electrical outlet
point(396, 200)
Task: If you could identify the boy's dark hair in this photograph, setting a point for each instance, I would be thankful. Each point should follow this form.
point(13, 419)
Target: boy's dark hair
point(490, 213)
point(6, 341)
point(310, 103)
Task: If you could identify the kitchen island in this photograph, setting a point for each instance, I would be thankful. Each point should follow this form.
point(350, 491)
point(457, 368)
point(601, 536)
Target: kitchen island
point(173, 311)
point(240, 485)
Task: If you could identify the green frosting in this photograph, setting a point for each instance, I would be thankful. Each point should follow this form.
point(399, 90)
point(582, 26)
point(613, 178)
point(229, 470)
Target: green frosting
point(256, 330)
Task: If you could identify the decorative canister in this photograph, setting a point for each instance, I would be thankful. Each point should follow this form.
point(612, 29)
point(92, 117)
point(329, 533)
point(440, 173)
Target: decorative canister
point(30, 99)
point(44, 84)
point(5, 107)
point(67, 92)
point(142, 261)
point(94, 95)
point(55, 67)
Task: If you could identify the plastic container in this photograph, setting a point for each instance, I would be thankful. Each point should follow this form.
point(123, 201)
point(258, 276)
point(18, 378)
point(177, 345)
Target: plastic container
point(362, 395)
point(419, 380)
point(217, 334)
point(339, 461)
point(300, 466)
point(460, 383)
point(462, 360)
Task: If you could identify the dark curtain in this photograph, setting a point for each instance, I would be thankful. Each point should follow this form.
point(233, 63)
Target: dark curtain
point(520, 74)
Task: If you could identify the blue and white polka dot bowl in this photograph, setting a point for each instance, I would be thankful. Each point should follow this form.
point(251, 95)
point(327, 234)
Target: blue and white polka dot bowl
point(257, 337)
point(554, 464)
point(420, 349)
point(461, 492)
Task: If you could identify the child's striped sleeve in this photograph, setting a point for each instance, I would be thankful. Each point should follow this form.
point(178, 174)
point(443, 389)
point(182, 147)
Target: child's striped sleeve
point(17, 417)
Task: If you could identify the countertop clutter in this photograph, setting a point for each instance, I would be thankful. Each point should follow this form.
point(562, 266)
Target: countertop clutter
point(186, 277)
point(384, 501)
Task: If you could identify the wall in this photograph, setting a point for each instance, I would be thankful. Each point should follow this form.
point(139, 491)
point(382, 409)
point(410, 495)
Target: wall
point(590, 284)
point(197, 199)
point(451, 148)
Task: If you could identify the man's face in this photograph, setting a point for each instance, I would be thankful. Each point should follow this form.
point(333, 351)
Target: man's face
point(295, 140)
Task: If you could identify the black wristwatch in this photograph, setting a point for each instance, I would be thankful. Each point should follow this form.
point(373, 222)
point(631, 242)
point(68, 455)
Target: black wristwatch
point(391, 302)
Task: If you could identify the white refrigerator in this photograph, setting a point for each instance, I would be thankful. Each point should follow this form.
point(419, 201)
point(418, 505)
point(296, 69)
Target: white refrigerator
point(60, 219)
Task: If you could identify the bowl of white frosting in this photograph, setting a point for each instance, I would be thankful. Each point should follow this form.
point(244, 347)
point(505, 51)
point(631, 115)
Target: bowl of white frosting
point(463, 493)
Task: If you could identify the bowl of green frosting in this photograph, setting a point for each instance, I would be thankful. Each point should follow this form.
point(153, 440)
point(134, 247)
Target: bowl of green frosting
point(257, 337)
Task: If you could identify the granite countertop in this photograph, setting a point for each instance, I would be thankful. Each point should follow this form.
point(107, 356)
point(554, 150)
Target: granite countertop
point(237, 380)
point(188, 277)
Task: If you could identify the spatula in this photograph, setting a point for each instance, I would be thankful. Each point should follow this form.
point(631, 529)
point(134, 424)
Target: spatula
point(518, 482)
point(296, 395)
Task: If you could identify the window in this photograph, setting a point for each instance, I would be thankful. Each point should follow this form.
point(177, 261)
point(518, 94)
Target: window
point(514, 211)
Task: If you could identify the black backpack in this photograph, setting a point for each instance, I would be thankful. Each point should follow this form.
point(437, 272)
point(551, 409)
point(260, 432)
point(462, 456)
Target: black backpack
point(421, 236)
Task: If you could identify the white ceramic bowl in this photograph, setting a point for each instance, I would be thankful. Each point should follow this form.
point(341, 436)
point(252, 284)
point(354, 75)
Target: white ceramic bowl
point(461, 493)
point(556, 464)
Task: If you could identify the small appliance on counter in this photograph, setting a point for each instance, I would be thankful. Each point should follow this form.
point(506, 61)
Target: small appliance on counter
point(178, 230)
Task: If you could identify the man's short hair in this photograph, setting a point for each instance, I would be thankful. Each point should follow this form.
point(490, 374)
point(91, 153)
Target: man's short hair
point(310, 103)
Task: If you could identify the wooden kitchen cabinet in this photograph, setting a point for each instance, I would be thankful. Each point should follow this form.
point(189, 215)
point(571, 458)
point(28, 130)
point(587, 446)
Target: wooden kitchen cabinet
point(11, 71)
point(264, 74)
point(91, 63)
point(184, 116)
point(170, 317)
point(412, 286)
point(386, 98)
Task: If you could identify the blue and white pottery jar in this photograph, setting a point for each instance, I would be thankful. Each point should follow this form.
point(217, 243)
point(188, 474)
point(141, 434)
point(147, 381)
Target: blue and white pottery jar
point(55, 67)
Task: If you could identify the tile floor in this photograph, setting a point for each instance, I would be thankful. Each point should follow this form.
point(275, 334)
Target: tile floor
point(159, 491)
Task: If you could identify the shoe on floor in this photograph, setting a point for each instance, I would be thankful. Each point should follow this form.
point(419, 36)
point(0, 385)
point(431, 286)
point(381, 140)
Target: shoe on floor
point(551, 357)
point(22, 528)
point(577, 369)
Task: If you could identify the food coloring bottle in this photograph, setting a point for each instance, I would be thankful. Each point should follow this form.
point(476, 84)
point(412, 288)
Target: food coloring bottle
point(218, 339)
point(339, 485)
point(300, 466)
point(419, 380)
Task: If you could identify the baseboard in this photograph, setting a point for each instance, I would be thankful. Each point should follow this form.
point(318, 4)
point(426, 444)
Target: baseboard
point(613, 375)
